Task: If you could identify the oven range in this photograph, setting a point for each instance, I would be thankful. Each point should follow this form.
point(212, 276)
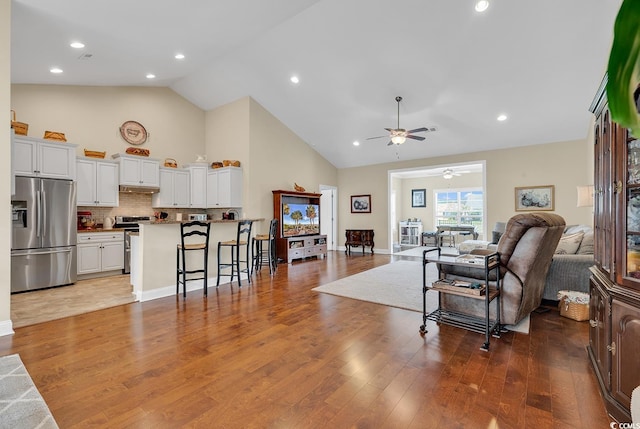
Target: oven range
point(129, 224)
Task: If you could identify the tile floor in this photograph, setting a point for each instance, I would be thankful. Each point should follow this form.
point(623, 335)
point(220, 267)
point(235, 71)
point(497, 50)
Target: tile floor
point(29, 308)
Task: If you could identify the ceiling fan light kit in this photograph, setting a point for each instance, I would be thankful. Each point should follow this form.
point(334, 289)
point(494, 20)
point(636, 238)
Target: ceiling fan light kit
point(398, 139)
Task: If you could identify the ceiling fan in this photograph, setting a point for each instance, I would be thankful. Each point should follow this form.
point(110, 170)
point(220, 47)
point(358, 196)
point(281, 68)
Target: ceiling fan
point(400, 135)
point(448, 173)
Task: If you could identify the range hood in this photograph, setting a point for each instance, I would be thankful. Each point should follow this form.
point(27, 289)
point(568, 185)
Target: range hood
point(139, 189)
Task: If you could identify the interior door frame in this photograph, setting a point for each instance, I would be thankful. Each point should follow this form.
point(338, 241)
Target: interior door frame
point(392, 174)
point(329, 215)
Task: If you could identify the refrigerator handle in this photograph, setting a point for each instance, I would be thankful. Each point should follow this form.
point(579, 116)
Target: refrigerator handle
point(38, 214)
point(43, 212)
point(43, 252)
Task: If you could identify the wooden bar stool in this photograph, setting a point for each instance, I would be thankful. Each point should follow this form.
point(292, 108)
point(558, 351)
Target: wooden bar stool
point(189, 229)
point(243, 239)
point(266, 254)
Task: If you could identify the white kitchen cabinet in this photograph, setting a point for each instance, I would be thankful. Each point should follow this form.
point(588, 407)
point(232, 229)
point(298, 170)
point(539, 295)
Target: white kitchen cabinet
point(198, 181)
point(97, 182)
point(43, 158)
point(100, 251)
point(224, 187)
point(174, 189)
point(138, 170)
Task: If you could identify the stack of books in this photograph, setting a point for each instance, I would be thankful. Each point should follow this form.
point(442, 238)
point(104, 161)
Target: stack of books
point(459, 286)
point(471, 259)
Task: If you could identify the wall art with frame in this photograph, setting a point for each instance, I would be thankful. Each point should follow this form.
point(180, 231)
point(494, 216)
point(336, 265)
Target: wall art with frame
point(360, 203)
point(534, 198)
point(418, 198)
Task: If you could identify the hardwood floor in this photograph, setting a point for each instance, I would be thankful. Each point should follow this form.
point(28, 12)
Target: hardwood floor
point(278, 355)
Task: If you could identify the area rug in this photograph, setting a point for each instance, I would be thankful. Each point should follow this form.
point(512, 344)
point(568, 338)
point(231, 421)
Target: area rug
point(21, 405)
point(398, 284)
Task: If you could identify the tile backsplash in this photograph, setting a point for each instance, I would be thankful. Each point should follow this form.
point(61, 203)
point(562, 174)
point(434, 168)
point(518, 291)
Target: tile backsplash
point(134, 204)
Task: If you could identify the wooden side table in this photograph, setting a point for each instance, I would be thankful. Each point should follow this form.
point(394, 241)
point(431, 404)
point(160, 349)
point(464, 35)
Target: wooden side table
point(357, 238)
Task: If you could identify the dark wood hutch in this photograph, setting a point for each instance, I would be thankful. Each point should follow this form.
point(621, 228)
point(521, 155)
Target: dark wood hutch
point(614, 309)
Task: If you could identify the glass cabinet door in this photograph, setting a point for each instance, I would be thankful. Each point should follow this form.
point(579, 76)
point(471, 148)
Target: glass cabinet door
point(629, 231)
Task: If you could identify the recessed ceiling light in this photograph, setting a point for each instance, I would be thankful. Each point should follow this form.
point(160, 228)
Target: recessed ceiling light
point(482, 5)
point(151, 76)
point(77, 45)
point(179, 57)
point(55, 70)
point(502, 118)
point(294, 79)
point(356, 143)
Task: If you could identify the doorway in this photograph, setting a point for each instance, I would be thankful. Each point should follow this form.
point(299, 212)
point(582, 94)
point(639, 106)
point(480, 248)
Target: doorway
point(329, 214)
point(421, 215)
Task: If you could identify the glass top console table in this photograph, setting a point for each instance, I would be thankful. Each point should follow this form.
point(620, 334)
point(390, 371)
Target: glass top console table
point(489, 292)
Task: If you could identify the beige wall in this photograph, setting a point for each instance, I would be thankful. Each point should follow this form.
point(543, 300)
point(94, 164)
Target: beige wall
point(91, 116)
point(565, 165)
point(5, 168)
point(272, 156)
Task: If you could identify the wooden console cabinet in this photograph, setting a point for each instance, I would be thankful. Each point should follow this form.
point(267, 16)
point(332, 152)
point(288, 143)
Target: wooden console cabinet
point(298, 236)
point(306, 247)
point(357, 238)
point(614, 309)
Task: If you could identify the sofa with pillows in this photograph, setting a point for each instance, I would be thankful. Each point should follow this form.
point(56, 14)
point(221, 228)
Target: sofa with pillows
point(569, 268)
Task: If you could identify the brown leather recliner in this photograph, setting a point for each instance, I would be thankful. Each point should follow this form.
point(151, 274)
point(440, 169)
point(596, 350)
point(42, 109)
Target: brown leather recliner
point(526, 249)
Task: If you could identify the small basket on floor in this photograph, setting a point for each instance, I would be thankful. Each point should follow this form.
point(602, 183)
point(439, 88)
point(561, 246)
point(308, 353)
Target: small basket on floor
point(574, 305)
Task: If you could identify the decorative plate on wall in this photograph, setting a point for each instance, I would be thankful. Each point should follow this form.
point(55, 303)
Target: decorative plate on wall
point(133, 132)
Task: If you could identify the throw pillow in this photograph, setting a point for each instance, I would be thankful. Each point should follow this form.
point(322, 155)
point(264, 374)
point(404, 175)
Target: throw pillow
point(572, 229)
point(569, 244)
point(495, 237)
point(586, 246)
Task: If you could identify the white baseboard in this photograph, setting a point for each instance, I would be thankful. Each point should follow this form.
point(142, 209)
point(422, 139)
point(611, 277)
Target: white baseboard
point(356, 250)
point(192, 285)
point(6, 328)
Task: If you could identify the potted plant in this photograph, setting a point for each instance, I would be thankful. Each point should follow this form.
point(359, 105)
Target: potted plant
point(624, 68)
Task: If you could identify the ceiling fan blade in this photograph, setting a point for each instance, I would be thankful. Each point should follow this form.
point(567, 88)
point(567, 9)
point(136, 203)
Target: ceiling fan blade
point(415, 137)
point(378, 137)
point(418, 130)
point(423, 129)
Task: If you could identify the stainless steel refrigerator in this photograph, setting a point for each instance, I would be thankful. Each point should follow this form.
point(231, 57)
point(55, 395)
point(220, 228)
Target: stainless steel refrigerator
point(44, 230)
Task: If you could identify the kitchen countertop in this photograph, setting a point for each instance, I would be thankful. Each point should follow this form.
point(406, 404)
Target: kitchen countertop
point(80, 231)
point(165, 222)
point(177, 222)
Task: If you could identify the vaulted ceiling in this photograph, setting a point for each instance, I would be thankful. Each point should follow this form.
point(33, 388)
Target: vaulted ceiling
point(539, 63)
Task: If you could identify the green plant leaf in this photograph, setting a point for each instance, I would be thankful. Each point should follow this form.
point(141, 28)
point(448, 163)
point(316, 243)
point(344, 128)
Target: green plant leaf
point(624, 67)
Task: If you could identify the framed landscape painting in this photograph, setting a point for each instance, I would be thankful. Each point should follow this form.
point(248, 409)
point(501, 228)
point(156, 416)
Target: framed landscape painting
point(360, 203)
point(535, 198)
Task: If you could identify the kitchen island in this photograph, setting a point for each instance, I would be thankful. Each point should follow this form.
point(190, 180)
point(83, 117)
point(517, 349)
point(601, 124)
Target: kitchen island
point(153, 256)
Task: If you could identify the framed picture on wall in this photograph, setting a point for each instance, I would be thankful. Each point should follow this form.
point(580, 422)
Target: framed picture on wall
point(360, 203)
point(534, 198)
point(418, 198)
